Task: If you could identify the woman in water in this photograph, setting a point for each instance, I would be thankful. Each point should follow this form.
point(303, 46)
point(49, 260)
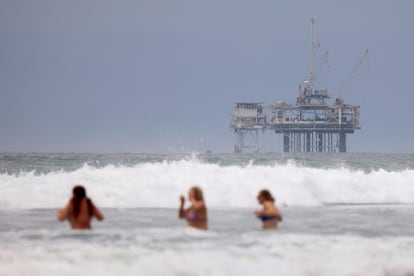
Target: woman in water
point(269, 215)
point(80, 210)
point(196, 214)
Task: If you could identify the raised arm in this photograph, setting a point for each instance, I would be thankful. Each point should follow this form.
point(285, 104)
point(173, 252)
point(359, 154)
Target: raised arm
point(97, 213)
point(63, 214)
point(181, 211)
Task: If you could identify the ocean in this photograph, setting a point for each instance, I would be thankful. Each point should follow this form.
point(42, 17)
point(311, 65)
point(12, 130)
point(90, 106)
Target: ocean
point(344, 214)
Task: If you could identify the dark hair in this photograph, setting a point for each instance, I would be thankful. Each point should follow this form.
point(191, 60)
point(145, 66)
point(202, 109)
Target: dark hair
point(79, 193)
point(198, 193)
point(266, 195)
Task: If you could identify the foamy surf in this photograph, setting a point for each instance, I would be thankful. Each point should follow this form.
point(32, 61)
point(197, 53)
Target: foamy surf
point(351, 240)
point(158, 184)
point(264, 255)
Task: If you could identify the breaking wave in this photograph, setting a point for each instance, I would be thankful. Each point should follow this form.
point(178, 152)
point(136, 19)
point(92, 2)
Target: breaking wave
point(160, 184)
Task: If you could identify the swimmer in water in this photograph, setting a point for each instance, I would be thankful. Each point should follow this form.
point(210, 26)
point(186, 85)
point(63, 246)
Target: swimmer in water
point(269, 215)
point(79, 210)
point(196, 214)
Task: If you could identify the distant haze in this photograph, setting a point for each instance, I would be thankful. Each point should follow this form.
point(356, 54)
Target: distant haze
point(162, 76)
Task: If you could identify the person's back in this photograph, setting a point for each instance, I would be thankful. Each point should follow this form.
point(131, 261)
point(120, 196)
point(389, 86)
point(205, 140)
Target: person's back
point(80, 210)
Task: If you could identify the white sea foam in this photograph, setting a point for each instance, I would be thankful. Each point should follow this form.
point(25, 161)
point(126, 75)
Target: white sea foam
point(271, 255)
point(160, 184)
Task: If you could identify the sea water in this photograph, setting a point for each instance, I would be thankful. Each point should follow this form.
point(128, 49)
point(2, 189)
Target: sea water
point(344, 214)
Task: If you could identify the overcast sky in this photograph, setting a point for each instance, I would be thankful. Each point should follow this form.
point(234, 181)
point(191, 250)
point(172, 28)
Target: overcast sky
point(162, 76)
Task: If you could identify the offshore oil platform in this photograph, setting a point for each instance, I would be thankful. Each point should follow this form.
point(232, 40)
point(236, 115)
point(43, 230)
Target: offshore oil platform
point(310, 125)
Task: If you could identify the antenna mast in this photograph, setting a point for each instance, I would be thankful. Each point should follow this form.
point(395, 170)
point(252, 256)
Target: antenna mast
point(314, 46)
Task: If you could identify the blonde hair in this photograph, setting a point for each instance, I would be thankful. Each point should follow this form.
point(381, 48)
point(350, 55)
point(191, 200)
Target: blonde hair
point(197, 193)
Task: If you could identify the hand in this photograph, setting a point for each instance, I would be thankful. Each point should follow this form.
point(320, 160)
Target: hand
point(60, 214)
point(257, 212)
point(182, 200)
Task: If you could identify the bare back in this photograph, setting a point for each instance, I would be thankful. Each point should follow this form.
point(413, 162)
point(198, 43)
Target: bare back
point(83, 219)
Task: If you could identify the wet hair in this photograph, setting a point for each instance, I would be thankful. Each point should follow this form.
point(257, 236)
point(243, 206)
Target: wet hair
point(197, 193)
point(266, 195)
point(79, 193)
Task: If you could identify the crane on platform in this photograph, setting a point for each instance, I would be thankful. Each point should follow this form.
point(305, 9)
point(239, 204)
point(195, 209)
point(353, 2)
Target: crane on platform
point(322, 62)
point(345, 87)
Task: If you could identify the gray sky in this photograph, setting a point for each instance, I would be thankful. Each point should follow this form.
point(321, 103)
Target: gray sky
point(160, 76)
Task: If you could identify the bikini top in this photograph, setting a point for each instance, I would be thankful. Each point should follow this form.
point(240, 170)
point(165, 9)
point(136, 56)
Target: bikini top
point(192, 216)
point(269, 217)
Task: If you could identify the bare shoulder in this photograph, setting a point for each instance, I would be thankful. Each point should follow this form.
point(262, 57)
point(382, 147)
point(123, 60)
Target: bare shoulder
point(64, 213)
point(268, 205)
point(199, 205)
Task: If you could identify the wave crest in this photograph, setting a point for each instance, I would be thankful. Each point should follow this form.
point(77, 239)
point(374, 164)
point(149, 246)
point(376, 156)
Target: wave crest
point(160, 184)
